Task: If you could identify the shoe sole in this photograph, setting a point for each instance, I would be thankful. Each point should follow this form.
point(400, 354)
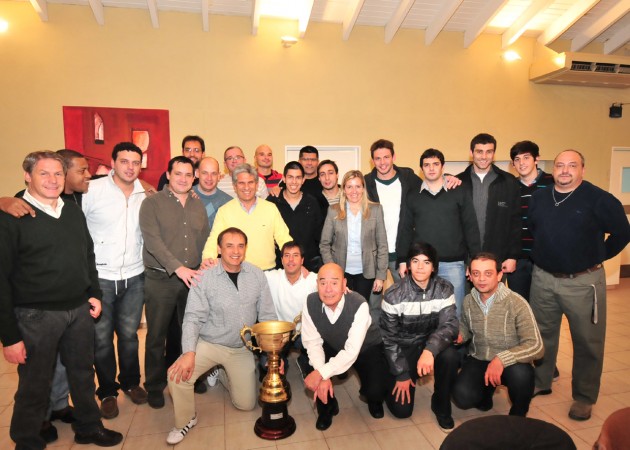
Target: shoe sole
point(84, 441)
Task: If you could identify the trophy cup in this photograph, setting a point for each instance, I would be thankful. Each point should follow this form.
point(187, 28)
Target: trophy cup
point(275, 392)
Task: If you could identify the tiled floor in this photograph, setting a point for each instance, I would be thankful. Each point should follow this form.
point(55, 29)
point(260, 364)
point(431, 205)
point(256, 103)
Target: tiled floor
point(221, 426)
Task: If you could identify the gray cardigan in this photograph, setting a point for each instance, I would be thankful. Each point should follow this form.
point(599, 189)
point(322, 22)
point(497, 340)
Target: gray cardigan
point(333, 244)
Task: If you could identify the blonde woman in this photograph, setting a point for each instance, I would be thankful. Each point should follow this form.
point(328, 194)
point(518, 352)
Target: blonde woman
point(354, 237)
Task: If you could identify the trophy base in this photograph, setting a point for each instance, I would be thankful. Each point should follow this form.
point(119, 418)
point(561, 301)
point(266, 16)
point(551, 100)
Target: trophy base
point(275, 422)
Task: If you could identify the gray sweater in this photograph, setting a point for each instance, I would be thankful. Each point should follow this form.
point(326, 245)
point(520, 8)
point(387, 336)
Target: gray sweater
point(509, 331)
point(216, 311)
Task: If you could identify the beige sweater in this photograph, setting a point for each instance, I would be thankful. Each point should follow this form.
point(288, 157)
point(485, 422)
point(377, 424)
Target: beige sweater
point(509, 331)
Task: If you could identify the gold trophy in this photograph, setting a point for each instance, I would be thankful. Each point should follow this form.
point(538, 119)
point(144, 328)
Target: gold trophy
point(272, 336)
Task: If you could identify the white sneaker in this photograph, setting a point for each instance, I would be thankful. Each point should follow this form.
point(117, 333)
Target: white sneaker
point(178, 434)
point(213, 377)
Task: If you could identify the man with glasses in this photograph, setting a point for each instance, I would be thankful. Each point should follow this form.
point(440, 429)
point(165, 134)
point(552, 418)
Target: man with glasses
point(234, 156)
point(193, 148)
point(576, 227)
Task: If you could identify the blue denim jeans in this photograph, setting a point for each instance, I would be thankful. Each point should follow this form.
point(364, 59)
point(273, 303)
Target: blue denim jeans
point(122, 311)
point(71, 333)
point(60, 390)
point(455, 272)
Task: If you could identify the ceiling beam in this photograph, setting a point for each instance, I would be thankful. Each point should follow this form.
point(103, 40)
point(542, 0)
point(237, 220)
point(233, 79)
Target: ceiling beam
point(153, 11)
point(520, 24)
point(354, 8)
point(492, 8)
point(305, 17)
point(41, 8)
point(600, 25)
point(205, 10)
point(97, 10)
point(256, 17)
point(573, 14)
point(397, 19)
point(441, 19)
point(619, 39)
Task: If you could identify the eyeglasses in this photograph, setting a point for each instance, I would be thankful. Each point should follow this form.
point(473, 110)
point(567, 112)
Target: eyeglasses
point(234, 158)
point(192, 150)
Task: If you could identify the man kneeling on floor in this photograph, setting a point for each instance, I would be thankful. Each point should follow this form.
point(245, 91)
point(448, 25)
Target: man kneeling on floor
point(419, 325)
point(505, 341)
point(230, 295)
point(338, 333)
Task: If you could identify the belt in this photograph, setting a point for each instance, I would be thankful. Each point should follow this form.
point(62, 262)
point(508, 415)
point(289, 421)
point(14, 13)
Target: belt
point(577, 274)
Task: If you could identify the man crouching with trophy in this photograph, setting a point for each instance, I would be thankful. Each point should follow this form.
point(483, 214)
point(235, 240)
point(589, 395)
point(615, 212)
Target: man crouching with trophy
point(338, 333)
point(231, 294)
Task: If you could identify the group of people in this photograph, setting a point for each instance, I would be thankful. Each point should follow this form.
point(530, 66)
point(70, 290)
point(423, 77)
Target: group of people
point(205, 254)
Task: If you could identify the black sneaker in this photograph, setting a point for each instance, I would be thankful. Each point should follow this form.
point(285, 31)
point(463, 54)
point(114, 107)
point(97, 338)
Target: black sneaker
point(48, 432)
point(101, 437)
point(155, 399)
point(200, 386)
point(446, 423)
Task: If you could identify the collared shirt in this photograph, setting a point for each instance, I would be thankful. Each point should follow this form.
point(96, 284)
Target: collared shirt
point(425, 186)
point(485, 307)
point(53, 212)
point(313, 342)
point(354, 263)
point(251, 209)
point(174, 235)
point(216, 310)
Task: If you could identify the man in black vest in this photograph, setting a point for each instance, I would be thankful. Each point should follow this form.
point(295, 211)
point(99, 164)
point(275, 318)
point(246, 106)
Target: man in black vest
point(338, 333)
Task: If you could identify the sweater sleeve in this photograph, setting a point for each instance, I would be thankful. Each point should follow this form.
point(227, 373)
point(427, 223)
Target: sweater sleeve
point(9, 332)
point(530, 345)
point(613, 220)
point(280, 230)
point(94, 291)
point(210, 249)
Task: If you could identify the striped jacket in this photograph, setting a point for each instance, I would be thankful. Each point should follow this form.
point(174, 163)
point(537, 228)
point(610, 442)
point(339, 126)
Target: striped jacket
point(411, 317)
point(509, 331)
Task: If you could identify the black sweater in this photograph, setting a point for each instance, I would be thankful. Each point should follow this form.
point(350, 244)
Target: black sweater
point(447, 221)
point(305, 225)
point(45, 263)
point(569, 238)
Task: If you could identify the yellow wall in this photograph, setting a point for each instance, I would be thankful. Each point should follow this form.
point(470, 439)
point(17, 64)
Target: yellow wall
point(237, 89)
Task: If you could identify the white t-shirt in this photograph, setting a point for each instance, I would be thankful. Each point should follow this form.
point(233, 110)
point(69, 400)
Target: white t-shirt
point(390, 196)
point(289, 299)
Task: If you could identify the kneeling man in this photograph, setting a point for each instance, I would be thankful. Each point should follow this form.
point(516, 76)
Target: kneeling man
point(505, 341)
point(338, 333)
point(230, 295)
point(419, 325)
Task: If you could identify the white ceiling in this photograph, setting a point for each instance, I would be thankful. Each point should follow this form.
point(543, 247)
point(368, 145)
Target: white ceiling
point(580, 21)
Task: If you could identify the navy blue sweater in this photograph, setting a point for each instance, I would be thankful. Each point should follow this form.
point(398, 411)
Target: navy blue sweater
point(569, 238)
point(45, 263)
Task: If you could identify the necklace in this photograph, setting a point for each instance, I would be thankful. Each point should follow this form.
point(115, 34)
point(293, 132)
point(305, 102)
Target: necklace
point(557, 203)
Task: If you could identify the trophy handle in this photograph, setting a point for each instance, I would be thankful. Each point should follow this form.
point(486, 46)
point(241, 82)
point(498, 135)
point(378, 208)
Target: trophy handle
point(296, 321)
point(248, 342)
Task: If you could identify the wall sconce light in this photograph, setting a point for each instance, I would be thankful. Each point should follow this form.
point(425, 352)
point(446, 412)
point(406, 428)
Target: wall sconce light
point(4, 26)
point(288, 41)
point(616, 110)
point(511, 55)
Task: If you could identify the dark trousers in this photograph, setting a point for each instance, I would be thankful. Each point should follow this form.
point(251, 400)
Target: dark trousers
point(359, 284)
point(520, 280)
point(122, 311)
point(164, 296)
point(71, 333)
point(444, 375)
point(371, 367)
point(470, 390)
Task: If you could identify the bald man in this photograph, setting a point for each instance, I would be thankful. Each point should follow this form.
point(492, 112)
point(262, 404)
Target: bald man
point(211, 196)
point(338, 333)
point(576, 227)
point(263, 159)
